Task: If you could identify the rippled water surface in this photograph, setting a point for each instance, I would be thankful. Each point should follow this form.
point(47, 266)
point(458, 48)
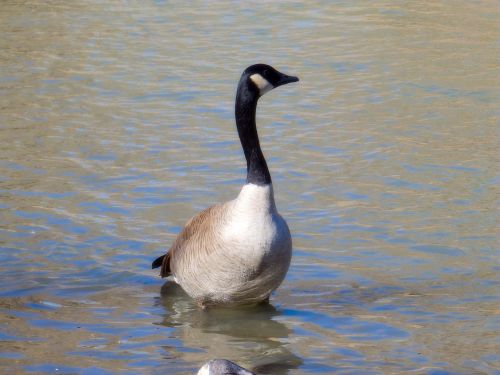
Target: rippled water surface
point(116, 126)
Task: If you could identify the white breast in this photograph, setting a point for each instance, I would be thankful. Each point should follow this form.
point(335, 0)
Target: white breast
point(255, 230)
point(253, 217)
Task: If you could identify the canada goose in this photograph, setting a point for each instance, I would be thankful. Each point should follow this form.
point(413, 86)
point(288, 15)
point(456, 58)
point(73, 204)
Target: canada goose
point(222, 367)
point(237, 252)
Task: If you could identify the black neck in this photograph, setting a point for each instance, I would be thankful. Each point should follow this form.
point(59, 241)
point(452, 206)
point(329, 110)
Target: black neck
point(245, 109)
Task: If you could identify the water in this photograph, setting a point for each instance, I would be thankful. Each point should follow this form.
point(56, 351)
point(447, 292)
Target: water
point(117, 125)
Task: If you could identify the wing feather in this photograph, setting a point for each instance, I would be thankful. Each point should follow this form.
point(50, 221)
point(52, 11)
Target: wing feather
point(199, 229)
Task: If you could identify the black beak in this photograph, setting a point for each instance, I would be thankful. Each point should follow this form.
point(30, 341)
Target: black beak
point(287, 79)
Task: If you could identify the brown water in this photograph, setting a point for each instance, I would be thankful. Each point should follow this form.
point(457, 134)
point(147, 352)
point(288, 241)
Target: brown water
point(116, 124)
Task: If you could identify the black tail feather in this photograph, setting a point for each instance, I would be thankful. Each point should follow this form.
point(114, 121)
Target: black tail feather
point(158, 262)
point(164, 263)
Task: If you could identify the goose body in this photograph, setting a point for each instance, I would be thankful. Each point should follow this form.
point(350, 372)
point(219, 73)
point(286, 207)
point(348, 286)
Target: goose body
point(239, 251)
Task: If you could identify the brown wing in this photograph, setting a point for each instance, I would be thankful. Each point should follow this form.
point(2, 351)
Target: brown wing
point(198, 228)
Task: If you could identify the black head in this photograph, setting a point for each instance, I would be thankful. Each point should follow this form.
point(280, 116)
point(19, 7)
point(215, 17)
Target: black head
point(265, 77)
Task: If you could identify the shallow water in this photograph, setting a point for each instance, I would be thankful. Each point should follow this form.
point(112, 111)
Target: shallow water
point(116, 125)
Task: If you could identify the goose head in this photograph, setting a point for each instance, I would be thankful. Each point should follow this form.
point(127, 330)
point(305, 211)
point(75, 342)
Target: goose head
point(264, 78)
point(222, 367)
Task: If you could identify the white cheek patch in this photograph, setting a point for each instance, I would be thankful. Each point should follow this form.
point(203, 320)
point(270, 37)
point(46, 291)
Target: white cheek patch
point(205, 370)
point(262, 83)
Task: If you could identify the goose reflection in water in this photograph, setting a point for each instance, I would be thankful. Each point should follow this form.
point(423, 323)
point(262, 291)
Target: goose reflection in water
point(249, 335)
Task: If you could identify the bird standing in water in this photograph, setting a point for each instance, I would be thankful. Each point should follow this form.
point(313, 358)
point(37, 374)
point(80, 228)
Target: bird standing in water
point(236, 252)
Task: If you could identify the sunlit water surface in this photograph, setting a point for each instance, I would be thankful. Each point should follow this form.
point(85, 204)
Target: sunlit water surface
point(116, 123)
